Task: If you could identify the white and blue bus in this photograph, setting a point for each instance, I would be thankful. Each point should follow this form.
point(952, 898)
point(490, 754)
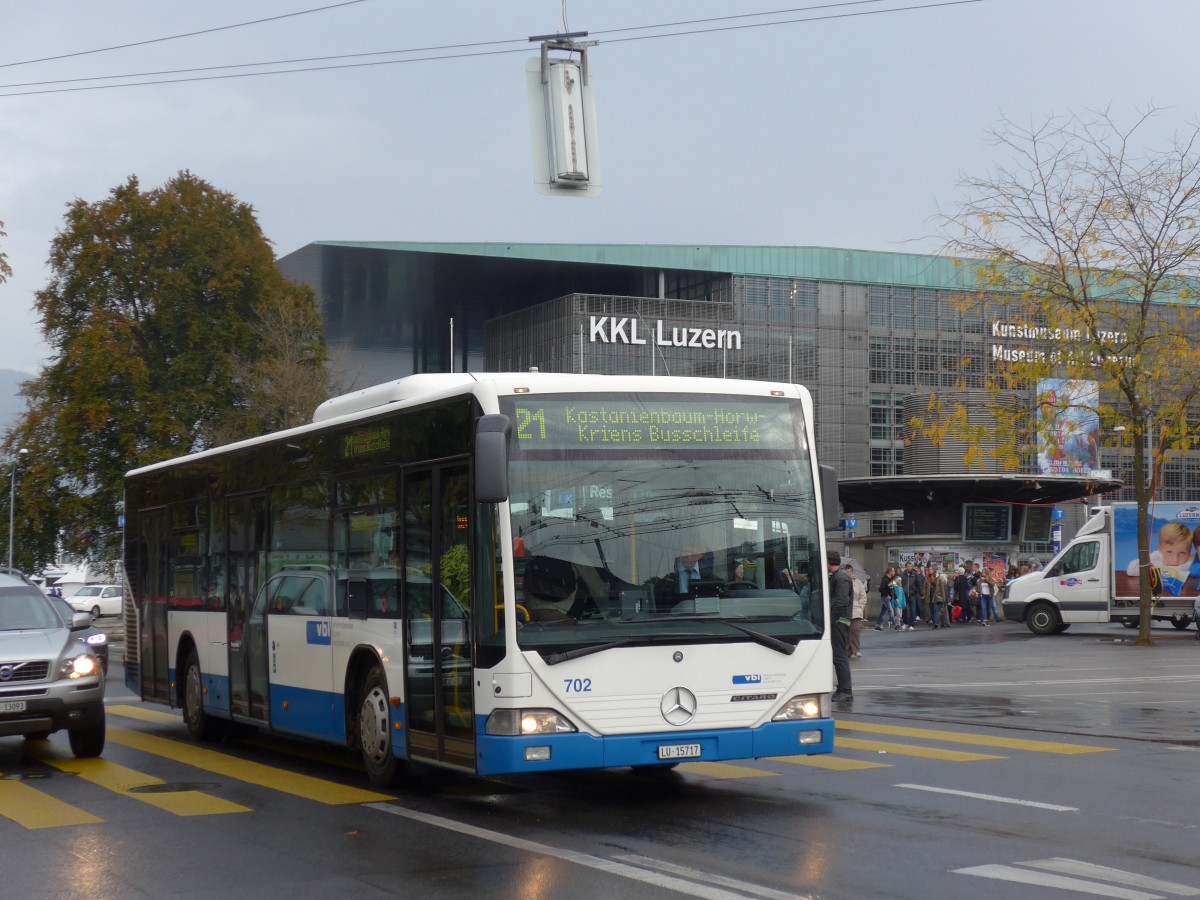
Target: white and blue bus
point(498, 573)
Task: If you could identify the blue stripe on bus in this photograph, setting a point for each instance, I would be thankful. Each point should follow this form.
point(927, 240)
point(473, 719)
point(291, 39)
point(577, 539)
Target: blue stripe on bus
point(317, 714)
point(502, 754)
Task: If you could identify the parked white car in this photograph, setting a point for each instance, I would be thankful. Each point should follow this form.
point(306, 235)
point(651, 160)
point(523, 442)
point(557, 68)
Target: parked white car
point(97, 599)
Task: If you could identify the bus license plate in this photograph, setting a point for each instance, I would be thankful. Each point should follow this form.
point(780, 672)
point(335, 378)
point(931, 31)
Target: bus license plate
point(678, 751)
point(12, 706)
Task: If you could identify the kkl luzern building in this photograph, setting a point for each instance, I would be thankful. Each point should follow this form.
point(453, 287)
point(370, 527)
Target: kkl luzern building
point(872, 335)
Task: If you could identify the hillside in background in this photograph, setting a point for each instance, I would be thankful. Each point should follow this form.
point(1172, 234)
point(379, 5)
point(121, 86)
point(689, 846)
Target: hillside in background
point(11, 405)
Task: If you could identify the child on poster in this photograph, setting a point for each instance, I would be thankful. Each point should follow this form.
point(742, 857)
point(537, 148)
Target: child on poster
point(1173, 557)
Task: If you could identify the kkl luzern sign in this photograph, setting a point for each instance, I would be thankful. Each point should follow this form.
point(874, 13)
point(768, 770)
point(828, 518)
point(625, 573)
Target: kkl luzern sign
point(624, 330)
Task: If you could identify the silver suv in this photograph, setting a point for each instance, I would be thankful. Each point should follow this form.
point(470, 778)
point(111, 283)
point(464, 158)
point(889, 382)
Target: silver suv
point(48, 679)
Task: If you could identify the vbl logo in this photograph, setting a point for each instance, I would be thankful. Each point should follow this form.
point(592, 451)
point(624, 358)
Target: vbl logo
point(747, 679)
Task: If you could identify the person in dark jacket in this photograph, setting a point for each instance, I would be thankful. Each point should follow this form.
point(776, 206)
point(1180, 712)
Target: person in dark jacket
point(841, 605)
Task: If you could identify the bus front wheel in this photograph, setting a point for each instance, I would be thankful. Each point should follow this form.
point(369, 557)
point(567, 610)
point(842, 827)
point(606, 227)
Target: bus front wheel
point(200, 724)
point(1042, 619)
point(375, 731)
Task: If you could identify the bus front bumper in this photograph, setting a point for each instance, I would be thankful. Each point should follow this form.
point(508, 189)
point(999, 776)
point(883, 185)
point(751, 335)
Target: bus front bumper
point(500, 755)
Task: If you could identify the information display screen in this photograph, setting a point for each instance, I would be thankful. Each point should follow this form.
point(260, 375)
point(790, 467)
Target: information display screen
point(1035, 524)
point(628, 422)
point(989, 523)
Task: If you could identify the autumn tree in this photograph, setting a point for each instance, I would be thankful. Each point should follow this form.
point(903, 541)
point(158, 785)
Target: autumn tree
point(163, 312)
point(1089, 237)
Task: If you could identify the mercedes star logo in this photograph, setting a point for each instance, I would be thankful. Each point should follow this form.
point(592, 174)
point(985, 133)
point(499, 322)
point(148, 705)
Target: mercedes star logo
point(678, 706)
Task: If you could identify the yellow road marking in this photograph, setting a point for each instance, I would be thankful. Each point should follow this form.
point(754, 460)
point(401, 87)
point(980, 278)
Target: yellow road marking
point(145, 714)
point(723, 770)
point(835, 763)
point(323, 754)
point(120, 780)
point(305, 786)
point(33, 809)
point(910, 750)
point(976, 740)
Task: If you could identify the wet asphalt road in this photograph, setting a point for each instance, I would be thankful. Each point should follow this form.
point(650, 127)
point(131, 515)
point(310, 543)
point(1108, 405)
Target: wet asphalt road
point(1090, 680)
point(979, 762)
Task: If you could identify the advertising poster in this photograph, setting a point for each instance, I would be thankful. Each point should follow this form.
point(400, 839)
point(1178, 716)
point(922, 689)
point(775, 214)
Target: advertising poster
point(1174, 531)
point(1068, 427)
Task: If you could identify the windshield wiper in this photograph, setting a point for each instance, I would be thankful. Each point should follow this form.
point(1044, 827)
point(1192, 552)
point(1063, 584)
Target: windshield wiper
point(554, 659)
point(766, 640)
point(772, 643)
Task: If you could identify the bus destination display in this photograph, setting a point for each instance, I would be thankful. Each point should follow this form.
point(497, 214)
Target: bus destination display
point(543, 423)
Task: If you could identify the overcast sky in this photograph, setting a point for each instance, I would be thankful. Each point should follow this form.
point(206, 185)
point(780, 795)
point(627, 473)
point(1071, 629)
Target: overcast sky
point(844, 132)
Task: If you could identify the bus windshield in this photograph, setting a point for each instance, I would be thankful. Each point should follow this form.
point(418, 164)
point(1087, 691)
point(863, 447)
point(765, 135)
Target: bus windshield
point(642, 519)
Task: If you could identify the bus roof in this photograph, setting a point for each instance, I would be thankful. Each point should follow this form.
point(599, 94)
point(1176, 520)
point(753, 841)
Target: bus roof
point(417, 389)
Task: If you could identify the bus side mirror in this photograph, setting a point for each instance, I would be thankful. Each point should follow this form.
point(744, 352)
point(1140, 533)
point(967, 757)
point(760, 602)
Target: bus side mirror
point(831, 505)
point(491, 458)
point(356, 597)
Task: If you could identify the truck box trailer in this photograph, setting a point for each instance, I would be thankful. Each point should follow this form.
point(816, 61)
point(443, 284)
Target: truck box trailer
point(1095, 577)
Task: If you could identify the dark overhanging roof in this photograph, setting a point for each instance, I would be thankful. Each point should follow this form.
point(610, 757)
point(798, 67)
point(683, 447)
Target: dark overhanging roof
point(816, 263)
point(871, 494)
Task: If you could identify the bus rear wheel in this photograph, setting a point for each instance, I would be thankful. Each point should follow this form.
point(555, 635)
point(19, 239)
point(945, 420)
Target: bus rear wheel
point(1043, 619)
point(200, 724)
point(375, 731)
point(1181, 622)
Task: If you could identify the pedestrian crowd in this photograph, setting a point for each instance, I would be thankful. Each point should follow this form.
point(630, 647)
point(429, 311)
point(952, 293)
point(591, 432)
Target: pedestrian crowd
point(912, 596)
point(935, 598)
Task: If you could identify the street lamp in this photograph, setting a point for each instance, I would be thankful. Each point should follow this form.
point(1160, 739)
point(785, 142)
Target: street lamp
point(12, 496)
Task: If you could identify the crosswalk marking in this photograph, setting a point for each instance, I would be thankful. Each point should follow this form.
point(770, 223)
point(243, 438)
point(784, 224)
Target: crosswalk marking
point(34, 809)
point(120, 780)
point(298, 785)
point(1118, 876)
point(1070, 875)
point(1045, 879)
point(833, 763)
point(977, 740)
point(723, 770)
point(325, 754)
point(910, 750)
point(145, 714)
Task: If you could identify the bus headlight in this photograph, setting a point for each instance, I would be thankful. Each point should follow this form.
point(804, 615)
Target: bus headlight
point(804, 706)
point(80, 666)
point(528, 721)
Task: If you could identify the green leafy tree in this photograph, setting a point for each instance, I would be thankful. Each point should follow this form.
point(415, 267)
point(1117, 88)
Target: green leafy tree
point(1092, 243)
point(158, 312)
point(5, 268)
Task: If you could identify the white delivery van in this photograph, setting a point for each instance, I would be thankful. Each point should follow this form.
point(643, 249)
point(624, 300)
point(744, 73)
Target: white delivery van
point(1095, 577)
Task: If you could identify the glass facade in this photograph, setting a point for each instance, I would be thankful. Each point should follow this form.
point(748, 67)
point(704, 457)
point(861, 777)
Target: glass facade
point(863, 331)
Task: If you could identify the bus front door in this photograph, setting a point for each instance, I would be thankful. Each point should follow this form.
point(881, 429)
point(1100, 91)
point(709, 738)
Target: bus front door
point(439, 701)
